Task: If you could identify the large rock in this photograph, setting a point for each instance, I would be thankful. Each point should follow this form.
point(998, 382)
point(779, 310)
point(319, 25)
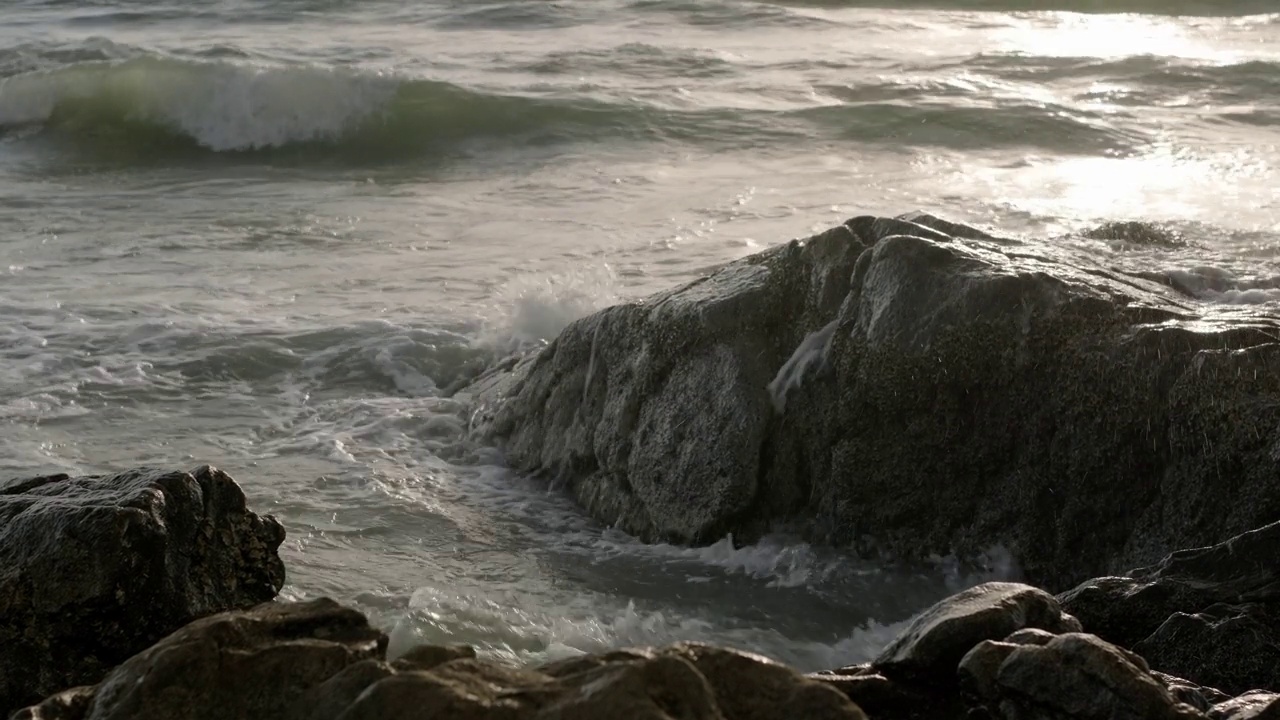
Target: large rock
point(240, 664)
point(1081, 677)
point(319, 661)
point(95, 569)
point(936, 640)
point(1210, 615)
point(918, 387)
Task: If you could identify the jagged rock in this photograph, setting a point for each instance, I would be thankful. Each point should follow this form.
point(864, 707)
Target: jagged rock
point(1258, 705)
point(242, 664)
point(95, 569)
point(1082, 677)
point(1210, 615)
point(934, 643)
point(918, 387)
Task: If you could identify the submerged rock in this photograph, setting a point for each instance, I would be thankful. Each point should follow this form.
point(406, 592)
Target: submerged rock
point(1210, 615)
point(95, 569)
point(915, 386)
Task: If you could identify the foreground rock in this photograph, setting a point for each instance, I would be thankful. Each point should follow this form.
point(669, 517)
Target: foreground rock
point(999, 651)
point(1211, 615)
point(319, 661)
point(96, 569)
point(919, 384)
point(1003, 650)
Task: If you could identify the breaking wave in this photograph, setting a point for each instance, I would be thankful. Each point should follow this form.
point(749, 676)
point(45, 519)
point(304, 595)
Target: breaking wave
point(154, 107)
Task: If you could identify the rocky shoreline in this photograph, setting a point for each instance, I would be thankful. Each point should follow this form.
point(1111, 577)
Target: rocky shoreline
point(1191, 638)
point(909, 380)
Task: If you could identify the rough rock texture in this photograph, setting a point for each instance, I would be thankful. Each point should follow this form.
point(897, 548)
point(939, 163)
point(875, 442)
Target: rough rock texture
point(239, 664)
point(1081, 677)
point(1211, 615)
point(95, 569)
point(319, 661)
point(915, 386)
point(923, 672)
point(1258, 705)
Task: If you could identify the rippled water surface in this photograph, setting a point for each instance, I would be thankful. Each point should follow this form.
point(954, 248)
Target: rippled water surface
point(264, 234)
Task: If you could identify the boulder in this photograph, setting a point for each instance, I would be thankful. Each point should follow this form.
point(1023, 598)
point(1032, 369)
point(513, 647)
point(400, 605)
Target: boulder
point(685, 682)
point(241, 664)
point(320, 661)
point(95, 569)
point(1082, 677)
point(936, 640)
point(1210, 615)
point(912, 386)
point(923, 673)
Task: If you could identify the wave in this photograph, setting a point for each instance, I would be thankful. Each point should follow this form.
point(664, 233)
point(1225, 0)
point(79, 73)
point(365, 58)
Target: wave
point(156, 108)
point(229, 108)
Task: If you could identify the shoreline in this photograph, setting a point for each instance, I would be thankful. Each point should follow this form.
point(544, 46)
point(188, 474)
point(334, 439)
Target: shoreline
point(909, 379)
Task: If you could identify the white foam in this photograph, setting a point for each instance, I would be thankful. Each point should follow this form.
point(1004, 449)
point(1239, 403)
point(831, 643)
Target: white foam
point(1222, 286)
point(810, 355)
point(517, 628)
point(532, 308)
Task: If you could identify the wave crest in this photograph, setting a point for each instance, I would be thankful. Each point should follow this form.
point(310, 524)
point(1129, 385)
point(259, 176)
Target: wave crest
point(231, 107)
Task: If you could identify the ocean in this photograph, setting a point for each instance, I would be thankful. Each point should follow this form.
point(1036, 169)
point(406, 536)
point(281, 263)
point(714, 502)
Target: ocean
point(271, 235)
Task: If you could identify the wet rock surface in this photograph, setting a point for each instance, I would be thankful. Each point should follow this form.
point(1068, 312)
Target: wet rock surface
point(939, 638)
point(95, 569)
point(913, 386)
point(1210, 615)
point(320, 661)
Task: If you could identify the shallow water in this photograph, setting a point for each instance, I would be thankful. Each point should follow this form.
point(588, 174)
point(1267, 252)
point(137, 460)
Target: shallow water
point(263, 234)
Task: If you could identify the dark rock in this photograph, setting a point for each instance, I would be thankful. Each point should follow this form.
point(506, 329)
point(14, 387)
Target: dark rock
point(1201, 697)
point(934, 643)
point(1211, 615)
point(980, 667)
point(690, 681)
point(425, 657)
point(1231, 648)
point(1082, 677)
point(95, 569)
point(320, 661)
point(917, 387)
point(1031, 636)
point(750, 687)
point(241, 664)
point(884, 699)
point(70, 704)
point(339, 691)
point(1257, 705)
